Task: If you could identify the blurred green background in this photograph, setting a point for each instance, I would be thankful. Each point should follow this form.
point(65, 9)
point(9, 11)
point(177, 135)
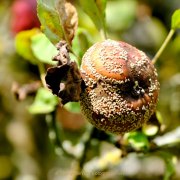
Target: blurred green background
point(26, 152)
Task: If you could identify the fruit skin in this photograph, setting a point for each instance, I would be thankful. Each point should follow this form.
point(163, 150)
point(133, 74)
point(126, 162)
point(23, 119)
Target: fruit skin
point(120, 87)
point(23, 15)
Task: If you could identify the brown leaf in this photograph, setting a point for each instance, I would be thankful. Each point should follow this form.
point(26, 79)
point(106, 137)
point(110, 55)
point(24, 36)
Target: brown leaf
point(69, 18)
point(65, 82)
point(64, 79)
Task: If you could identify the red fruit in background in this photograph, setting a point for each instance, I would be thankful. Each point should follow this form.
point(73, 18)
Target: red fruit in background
point(24, 15)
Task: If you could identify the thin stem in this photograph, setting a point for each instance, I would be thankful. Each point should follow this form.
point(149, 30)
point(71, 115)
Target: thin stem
point(54, 136)
point(103, 31)
point(168, 38)
point(42, 73)
point(103, 35)
point(86, 141)
point(78, 58)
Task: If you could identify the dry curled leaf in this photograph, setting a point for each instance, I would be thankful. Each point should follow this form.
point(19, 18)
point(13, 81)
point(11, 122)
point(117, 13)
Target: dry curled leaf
point(69, 18)
point(64, 79)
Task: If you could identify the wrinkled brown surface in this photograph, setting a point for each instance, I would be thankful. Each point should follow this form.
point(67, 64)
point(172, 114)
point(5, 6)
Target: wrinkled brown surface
point(121, 86)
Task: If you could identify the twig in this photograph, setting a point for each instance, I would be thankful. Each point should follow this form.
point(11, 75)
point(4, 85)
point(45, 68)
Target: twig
point(86, 141)
point(55, 136)
point(165, 43)
point(21, 92)
point(103, 33)
point(42, 73)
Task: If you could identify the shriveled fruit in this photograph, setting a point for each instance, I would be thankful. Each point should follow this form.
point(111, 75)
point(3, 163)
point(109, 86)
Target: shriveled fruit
point(120, 89)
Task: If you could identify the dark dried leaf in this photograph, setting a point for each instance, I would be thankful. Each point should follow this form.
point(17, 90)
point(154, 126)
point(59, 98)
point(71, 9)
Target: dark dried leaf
point(54, 76)
point(64, 79)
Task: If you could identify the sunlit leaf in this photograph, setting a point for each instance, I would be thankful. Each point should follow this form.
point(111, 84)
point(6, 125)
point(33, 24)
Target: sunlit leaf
point(138, 140)
point(175, 22)
point(23, 44)
point(43, 49)
point(73, 107)
point(58, 19)
point(96, 11)
point(45, 102)
point(50, 21)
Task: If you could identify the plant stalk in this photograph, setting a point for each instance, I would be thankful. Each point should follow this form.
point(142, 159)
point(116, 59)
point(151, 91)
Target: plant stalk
point(42, 73)
point(165, 43)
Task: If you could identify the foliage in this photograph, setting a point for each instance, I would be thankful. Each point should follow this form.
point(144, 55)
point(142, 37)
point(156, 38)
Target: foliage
point(175, 24)
point(50, 21)
point(42, 48)
point(44, 102)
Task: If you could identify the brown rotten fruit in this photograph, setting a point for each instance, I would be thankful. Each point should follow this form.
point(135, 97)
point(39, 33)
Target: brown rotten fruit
point(120, 89)
point(117, 85)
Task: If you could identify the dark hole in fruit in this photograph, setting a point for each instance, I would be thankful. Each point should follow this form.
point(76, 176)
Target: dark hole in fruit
point(131, 89)
point(137, 92)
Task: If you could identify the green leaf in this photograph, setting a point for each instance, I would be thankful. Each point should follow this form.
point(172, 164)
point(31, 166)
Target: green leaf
point(43, 49)
point(50, 21)
point(45, 102)
point(96, 11)
point(73, 107)
point(138, 140)
point(101, 4)
point(175, 21)
point(23, 44)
